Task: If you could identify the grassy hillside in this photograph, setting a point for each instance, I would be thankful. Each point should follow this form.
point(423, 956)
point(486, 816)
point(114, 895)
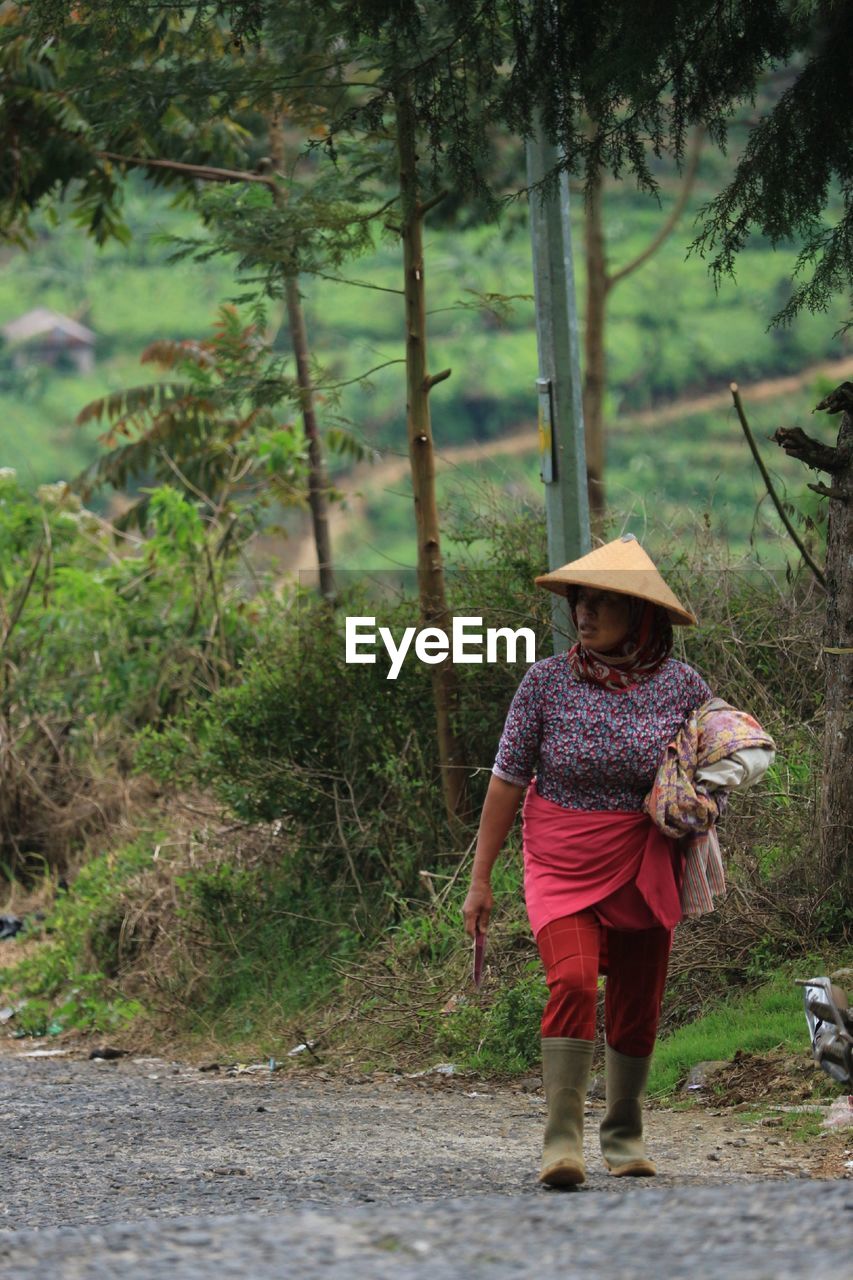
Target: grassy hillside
point(129, 295)
point(668, 477)
point(669, 336)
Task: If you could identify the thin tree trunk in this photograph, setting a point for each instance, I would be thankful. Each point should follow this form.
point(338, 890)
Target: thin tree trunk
point(836, 798)
point(431, 586)
point(318, 480)
point(836, 802)
point(598, 286)
point(595, 362)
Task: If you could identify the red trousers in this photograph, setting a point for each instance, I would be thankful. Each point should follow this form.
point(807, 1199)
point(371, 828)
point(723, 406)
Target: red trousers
point(574, 950)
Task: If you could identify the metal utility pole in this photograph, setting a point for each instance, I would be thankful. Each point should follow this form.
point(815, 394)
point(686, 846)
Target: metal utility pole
point(562, 456)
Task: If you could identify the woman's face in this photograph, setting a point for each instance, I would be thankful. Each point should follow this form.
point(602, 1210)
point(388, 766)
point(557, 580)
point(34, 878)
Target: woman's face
point(604, 618)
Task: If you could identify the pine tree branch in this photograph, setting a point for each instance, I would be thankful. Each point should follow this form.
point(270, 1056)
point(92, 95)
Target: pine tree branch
point(205, 172)
point(433, 379)
point(424, 206)
point(672, 221)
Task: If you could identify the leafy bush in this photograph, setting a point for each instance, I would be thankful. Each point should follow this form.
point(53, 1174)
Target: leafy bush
point(95, 645)
point(336, 752)
point(343, 756)
point(503, 1036)
point(70, 981)
point(203, 931)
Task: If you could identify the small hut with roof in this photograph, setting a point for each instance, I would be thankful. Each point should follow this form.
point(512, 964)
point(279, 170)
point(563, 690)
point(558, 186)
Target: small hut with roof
point(42, 336)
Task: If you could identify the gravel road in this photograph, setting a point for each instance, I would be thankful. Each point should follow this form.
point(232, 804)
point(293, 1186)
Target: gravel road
point(142, 1167)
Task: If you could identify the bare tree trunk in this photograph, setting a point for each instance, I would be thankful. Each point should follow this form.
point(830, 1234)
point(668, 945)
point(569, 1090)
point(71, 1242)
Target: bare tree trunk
point(431, 586)
point(318, 481)
point(598, 286)
point(595, 362)
point(836, 801)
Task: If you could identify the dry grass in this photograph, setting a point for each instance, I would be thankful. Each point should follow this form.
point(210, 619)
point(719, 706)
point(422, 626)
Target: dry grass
point(55, 804)
point(160, 948)
point(774, 1077)
point(147, 945)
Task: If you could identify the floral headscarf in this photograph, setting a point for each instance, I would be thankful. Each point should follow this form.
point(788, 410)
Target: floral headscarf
point(647, 645)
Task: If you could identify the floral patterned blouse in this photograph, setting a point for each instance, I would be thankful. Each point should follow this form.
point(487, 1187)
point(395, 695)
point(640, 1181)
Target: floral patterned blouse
point(591, 748)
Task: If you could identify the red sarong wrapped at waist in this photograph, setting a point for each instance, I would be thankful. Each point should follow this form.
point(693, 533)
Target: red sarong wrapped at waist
point(575, 859)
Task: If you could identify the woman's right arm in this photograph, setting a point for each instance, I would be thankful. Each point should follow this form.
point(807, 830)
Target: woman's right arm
point(499, 810)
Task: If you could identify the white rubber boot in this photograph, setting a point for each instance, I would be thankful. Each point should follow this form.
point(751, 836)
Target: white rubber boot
point(565, 1073)
point(622, 1127)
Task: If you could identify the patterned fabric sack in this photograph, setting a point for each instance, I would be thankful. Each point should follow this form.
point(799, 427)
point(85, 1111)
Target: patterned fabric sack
point(704, 877)
point(716, 749)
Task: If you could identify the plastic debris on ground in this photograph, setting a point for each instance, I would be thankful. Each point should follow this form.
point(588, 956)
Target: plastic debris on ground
point(699, 1076)
point(9, 926)
point(307, 1047)
point(840, 1114)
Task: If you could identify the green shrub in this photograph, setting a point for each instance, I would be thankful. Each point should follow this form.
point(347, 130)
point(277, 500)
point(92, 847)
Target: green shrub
point(69, 982)
point(504, 1037)
point(215, 944)
point(270, 940)
point(96, 646)
point(344, 757)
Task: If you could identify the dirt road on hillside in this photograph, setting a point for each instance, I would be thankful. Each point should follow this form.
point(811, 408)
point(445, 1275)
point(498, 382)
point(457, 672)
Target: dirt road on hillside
point(155, 1143)
point(298, 555)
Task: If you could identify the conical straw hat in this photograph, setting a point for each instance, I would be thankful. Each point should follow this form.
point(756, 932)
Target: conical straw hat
point(621, 566)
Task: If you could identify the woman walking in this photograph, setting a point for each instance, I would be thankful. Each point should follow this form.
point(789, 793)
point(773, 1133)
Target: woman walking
point(601, 881)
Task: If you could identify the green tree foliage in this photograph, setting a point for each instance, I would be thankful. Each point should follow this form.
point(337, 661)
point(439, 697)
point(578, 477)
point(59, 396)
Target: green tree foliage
point(796, 157)
point(644, 75)
point(345, 759)
point(69, 103)
point(93, 636)
point(321, 219)
point(215, 428)
point(191, 87)
point(94, 646)
point(473, 67)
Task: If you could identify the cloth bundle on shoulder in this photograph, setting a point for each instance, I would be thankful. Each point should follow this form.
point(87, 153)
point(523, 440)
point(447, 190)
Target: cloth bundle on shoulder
point(717, 749)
